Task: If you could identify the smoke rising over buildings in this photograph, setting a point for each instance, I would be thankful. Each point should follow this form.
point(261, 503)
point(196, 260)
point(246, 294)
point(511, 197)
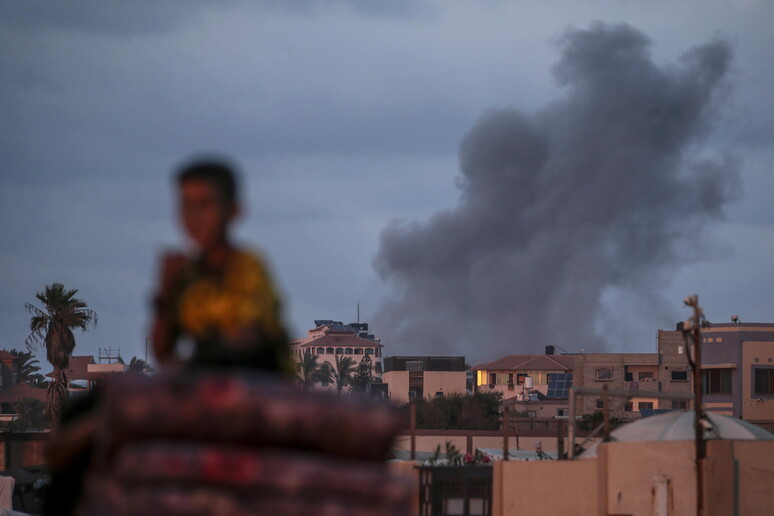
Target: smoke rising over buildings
point(602, 189)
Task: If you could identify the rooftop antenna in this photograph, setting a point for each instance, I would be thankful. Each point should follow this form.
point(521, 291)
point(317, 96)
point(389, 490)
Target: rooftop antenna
point(358, 312)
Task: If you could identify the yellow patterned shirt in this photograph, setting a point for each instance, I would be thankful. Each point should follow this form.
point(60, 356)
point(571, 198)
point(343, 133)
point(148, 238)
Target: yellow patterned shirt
point(234, 313)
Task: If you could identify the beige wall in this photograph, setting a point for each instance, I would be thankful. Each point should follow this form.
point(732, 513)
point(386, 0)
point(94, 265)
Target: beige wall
point(398, 386)
point(448, 382)
point(544, 488)
point(625, 479)
point(753, 407)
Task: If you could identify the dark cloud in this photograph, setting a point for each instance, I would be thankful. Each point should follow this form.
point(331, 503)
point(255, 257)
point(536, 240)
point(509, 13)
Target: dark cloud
point(144, 17)
point(601, 189)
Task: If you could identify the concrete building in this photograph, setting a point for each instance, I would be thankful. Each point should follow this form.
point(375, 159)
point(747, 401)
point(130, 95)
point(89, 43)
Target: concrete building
point(664, 371)
point(509, 374)
point(410, 377)
point(330, 338)
point(738, 369)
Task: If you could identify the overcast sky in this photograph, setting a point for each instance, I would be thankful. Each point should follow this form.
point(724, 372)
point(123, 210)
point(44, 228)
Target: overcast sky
point(345, 116)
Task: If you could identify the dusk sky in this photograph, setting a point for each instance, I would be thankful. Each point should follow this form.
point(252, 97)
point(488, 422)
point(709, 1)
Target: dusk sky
point(364, 131)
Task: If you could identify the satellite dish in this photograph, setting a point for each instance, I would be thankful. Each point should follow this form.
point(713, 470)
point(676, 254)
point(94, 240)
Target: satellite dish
point(735, 318)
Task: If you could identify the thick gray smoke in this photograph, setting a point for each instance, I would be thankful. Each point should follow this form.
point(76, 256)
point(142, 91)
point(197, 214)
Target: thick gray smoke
point(599, 190)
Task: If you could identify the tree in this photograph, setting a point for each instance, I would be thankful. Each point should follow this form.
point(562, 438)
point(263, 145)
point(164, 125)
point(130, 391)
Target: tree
point(27, 368)
point(364, 375)
point(138, 365)
point(30, 415)
point(342, 372)
point(309, 371)
point(479, 411)
point(52, 325)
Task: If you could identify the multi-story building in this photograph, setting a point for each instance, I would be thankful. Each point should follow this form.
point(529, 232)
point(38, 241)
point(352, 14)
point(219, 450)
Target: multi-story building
point(738, 369)
point(424, 377)
point(664, 371)
point(331, 338)
point(509, 374)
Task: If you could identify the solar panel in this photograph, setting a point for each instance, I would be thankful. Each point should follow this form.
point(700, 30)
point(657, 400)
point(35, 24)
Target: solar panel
point(559, 385)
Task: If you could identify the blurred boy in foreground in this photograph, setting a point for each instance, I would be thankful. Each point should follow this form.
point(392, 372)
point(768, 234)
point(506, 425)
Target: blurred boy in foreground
point(221, 297)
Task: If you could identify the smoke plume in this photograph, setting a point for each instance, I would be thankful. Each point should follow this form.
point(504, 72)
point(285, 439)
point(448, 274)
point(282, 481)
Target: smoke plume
point(601, 189)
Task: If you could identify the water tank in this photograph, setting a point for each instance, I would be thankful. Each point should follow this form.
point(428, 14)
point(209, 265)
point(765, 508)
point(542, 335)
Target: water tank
point(528, 382)
point(550, 350)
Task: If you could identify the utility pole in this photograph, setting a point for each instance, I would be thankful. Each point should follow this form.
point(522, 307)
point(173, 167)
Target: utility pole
point(692, 331)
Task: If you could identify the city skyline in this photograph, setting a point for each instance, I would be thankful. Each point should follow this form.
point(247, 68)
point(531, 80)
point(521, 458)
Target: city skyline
point(344, 117)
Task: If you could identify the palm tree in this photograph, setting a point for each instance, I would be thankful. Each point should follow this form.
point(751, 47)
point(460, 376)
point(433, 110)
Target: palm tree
point(342, 371)
point(309, 370)
point(27, 368)
point(53, 326)
point(138, 365)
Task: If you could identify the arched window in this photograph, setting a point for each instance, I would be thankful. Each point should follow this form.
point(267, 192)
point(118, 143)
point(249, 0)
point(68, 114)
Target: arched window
point(329, 351)
point(358, 351)
point(320, 351)
point(348, 351)
point(339, 351)
point(369, 351)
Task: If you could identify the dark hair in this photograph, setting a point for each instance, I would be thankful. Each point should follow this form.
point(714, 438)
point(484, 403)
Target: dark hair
point(219, 174)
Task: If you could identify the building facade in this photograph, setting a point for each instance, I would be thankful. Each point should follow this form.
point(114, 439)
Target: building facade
point(329, 339)
point(738, 369)
point(416, 377)
point(509, 374)
point(665, 371)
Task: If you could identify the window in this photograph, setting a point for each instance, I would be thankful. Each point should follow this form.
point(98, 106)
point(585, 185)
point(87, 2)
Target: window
point(531, 413)
point(645, 377)
point(562, 412)
point(415, 365)
point(599, 404)
point(339, 351)
point(348, 351)
point(501, 378)
point(492, 379)
point(520, 378)
point(679, 376)
point(604, 373)
point(716, 381)
point(369, 351)
point(679, 405)
point(358, 351)
point(629, 406)
point(642, 405)
point(764, 381)
point(328, 351)
point(320, 351)
point(628, 377)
